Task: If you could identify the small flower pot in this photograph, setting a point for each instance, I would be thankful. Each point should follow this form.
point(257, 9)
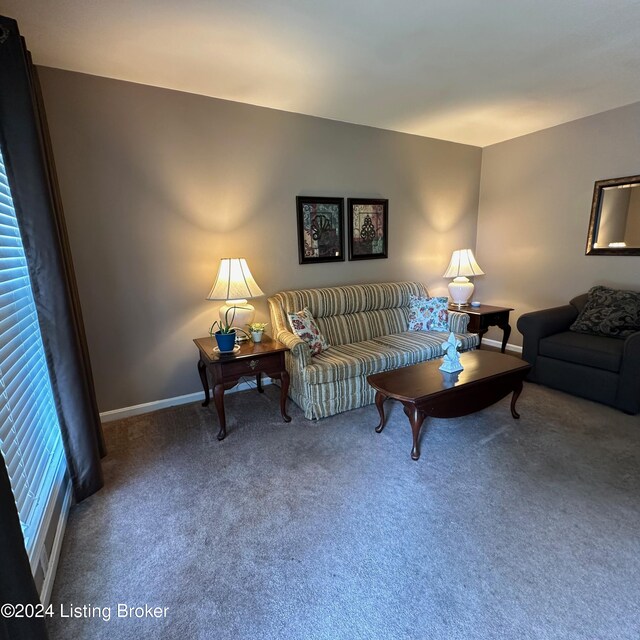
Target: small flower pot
point(256, 336)
point(226, 341)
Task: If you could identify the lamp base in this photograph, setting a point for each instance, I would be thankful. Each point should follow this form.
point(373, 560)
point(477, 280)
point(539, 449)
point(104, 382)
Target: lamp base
point(240, 315)
point(460, 291)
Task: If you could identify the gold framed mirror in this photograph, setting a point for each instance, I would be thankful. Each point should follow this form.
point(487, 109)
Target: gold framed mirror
point(614, 227)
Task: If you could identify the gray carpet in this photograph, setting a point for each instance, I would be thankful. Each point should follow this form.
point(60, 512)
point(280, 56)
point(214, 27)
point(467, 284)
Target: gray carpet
point(503, 528)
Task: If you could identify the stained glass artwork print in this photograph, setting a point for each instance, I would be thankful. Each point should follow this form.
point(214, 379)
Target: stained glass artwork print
point(367, 229)
point(320, 235)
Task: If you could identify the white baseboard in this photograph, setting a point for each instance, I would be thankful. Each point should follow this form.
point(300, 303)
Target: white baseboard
point(498, 343)
point(147, 407)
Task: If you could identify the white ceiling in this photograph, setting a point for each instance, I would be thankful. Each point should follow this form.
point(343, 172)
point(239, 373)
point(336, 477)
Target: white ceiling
point(472, 71)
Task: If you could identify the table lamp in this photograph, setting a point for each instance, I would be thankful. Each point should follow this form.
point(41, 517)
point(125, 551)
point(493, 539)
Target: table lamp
point(235, 284)
point(463, 264)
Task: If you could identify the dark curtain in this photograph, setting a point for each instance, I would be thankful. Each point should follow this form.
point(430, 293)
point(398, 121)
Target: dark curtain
point(16, 583)
point(29, 162)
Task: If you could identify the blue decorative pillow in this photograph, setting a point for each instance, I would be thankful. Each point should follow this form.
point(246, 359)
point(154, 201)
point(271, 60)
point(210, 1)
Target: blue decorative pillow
point(609, 312)
point(428, 314)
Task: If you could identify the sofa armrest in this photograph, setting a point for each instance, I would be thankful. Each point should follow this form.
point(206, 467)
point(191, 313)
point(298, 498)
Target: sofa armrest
point(536, 325)
point(298, 347)
point(299, 352)
point(546, 322)
point(458, 321)
point(628, 395)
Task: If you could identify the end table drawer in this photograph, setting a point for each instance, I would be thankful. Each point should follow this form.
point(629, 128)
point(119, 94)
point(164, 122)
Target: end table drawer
point(257, 364)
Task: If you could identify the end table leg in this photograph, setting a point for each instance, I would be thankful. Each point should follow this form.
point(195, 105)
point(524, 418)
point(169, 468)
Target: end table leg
point(416, 418)
point(259, 382)
point(514, 398)
point(218, 396)
point(380, 398)
point(202, 371)
point(506, 332)
point(284, 391)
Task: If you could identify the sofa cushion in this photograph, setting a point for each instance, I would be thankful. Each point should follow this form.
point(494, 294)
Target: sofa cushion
point(579, 301)
point(304, 326)
point(363, 325)
point(609, 312)
point(354, 313)
point(422, 346)
point(380, 354)
point(346, 299)
point(428, 314)
point(588, 350)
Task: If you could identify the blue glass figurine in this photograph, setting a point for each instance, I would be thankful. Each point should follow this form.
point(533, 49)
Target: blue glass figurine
point(451, 361)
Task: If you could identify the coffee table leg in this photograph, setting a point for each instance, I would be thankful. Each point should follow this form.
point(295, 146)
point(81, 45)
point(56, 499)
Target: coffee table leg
point(380, 398)
point(514, 398)
point(416, 418)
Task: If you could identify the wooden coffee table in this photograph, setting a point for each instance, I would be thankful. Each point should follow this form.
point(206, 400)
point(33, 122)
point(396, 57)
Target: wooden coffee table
point(424, 390)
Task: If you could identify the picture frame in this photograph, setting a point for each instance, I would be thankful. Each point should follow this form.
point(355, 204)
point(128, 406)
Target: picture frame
point(368, 228)
point(320, 229)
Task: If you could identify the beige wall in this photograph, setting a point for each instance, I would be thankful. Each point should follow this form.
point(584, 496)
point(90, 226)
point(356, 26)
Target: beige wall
point(535, 203)
point(159, 185)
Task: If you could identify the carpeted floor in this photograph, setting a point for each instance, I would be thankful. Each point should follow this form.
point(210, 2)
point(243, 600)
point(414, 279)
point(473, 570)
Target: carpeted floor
point(503, 528)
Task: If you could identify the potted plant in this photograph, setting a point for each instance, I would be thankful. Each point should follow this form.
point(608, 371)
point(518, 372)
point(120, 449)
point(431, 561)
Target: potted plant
point(225, 334)
point(257, 329)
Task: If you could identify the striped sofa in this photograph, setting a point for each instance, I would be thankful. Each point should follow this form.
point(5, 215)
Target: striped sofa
point(366, 327)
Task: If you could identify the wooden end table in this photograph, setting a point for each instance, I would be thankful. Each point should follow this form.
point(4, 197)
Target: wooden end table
point(251, 359)
point(424, 390)
point(485, 316)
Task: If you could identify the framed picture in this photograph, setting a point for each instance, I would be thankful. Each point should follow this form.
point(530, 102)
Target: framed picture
point(320, 229)
point(368, 228)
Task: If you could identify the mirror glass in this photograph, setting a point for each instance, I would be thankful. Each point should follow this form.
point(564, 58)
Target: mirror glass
point(614, 228)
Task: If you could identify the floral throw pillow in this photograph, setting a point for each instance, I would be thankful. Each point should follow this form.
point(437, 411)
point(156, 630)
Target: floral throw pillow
point(609, 312)
point(428, 314)
point(305, 327)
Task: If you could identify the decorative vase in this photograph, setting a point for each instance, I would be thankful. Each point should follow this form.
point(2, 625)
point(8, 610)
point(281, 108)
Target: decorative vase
point(256, 336)
point(226, 341)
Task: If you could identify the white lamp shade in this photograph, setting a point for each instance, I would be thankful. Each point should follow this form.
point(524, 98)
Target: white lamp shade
point(463, 263)
point(234, 281)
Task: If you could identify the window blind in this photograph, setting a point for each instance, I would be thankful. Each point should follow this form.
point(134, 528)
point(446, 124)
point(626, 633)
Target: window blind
point(30, 438)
